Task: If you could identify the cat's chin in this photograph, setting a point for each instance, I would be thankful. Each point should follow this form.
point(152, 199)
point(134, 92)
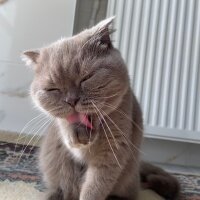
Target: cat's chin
point(78, 133)
point(83, 134)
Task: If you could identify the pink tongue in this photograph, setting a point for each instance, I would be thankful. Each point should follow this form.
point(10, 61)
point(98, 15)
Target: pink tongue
point(79, 117)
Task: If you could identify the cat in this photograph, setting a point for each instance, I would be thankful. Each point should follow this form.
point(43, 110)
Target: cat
point(92, 150)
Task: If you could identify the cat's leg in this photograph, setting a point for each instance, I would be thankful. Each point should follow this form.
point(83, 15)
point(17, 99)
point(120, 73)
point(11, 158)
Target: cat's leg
point(104, 178)
point(99, 182)
point(64, 179)
point(57, 168)
point(128, 184)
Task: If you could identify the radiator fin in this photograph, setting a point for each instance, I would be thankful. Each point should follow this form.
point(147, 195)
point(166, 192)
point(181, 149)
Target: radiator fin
point(160, 42)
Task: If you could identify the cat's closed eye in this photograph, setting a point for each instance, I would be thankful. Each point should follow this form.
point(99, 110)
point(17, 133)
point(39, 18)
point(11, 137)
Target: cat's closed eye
point(52, 89)
point(86, 78)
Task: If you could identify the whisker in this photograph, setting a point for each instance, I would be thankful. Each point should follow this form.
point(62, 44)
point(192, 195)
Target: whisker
point(106, 125)
point(86, 131)
point(86, 115)
point(40, 135)
point(38, 138)
point(128, 143)
point(125, 115)
point(27, 125)
point(43, 115)
point(24, 128)
point(90, 136)
point(123, 133)
point(114, 95)
point(32, 130)
point(23, 151)
point(26, 136)
point(109, 141)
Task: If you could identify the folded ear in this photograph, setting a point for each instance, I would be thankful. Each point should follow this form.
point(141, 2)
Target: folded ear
point(102, 31)
point(104, 23)
point(30, 57)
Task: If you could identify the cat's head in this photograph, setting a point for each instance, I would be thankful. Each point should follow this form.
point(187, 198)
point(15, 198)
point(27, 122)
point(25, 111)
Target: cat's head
point(82, 74)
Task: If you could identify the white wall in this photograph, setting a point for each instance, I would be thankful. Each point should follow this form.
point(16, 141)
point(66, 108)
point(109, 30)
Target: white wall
point(171, 152)
point(26, 24)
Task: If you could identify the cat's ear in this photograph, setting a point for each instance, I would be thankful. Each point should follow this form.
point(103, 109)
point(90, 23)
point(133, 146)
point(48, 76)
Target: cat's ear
point(102, 31)
point(30, 57)
point(104, 24)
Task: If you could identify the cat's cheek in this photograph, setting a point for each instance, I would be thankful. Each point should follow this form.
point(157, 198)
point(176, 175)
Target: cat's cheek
point(47, 98)
point(41, 96)
point(38, 104)
point(112, 104)
point(40, 93)
point(41, 101)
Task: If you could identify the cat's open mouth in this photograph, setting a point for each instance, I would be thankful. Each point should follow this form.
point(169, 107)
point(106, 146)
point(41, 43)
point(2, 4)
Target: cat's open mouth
point(80, 118)
point(82, 126)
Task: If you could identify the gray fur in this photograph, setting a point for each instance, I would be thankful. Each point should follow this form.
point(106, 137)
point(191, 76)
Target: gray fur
point(77, 164)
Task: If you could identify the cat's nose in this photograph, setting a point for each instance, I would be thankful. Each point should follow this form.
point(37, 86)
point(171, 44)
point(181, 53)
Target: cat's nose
point(72, 100)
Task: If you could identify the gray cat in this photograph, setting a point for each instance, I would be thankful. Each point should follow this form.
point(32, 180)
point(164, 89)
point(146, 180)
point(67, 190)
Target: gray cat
point(92, 151)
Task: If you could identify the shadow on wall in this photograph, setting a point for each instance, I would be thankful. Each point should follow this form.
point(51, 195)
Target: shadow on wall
point(89, 13)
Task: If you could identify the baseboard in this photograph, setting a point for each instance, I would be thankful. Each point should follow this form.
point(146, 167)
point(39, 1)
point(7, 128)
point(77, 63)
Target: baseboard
point(154, 150)
point(13, 137)
point(171, 152)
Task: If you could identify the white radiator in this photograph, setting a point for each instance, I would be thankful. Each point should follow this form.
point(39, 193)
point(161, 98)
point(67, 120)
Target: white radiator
point(160, 41)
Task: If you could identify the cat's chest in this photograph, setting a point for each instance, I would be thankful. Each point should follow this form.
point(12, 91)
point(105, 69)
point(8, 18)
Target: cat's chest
point(77, 142)
point(78, 154)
